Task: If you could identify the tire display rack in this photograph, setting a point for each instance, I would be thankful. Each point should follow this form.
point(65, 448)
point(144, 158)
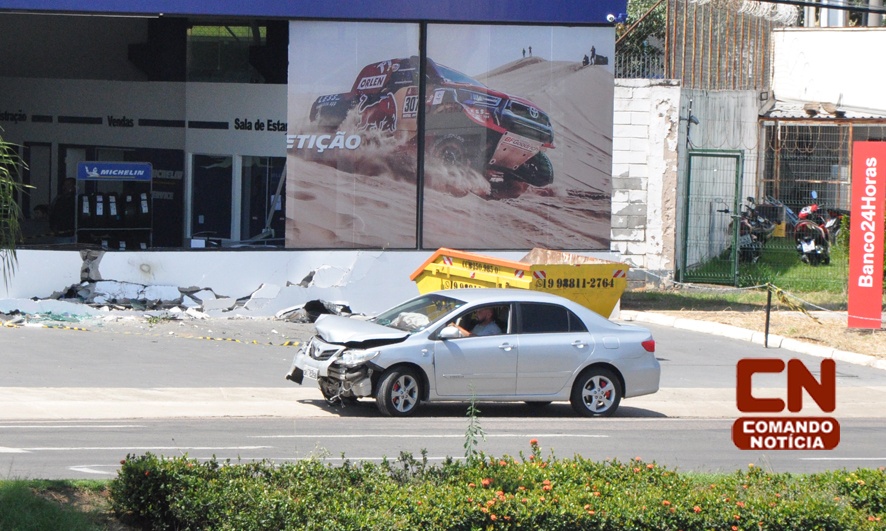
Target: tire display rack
point(114, 205)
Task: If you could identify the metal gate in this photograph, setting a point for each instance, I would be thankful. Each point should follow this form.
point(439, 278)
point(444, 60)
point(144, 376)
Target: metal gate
point(713, 202)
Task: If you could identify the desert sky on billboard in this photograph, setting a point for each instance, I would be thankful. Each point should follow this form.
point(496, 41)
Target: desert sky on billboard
point(516, 127)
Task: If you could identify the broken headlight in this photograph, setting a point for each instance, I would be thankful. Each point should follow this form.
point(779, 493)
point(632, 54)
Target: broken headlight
point(353, 357)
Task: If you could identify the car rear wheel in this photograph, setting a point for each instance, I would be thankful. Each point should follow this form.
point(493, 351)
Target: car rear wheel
point(596, 393)
point(399, 393)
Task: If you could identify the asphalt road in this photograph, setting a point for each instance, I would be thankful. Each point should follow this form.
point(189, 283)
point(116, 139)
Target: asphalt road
point(74, 403)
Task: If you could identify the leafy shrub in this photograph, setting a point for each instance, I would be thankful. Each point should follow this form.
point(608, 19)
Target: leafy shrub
point(525, 492)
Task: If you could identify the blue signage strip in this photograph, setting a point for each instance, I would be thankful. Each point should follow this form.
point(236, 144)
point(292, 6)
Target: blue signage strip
point(511, 11)
point(114, 171)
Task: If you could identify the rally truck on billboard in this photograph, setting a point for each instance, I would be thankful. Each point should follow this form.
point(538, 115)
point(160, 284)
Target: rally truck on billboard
point(466, 123)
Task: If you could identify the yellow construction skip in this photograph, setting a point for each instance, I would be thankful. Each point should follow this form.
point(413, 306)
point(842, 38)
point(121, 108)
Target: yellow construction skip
point(593, 283)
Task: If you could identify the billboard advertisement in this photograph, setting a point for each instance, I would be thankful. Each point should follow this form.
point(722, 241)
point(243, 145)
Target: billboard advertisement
point(514, 124)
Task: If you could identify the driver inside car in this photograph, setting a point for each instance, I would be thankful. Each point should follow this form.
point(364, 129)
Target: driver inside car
point(486, 325)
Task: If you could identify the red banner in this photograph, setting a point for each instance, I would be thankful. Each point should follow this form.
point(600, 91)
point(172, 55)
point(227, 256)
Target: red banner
point(866, 234)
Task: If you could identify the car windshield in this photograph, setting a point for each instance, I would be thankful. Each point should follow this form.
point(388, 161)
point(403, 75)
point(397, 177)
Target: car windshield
point(454, 76)
point(418, 314)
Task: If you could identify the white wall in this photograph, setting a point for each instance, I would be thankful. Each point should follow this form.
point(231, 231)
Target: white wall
point(644, 174)
point(843, 66)
point(370, 281)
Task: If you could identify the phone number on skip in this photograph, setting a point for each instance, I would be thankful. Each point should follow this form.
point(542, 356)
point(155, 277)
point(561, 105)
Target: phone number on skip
point(575, 283)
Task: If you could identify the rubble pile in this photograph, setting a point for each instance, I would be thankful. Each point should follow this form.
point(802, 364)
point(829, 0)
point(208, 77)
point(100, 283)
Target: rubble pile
point(103, 297)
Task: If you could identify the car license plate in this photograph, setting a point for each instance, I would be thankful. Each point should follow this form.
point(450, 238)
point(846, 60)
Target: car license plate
point(311, 373)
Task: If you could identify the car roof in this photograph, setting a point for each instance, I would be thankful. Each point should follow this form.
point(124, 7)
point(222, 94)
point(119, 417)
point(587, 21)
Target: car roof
point(479, 295)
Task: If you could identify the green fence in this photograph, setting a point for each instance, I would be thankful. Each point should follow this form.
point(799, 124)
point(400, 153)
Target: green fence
point(716, 252)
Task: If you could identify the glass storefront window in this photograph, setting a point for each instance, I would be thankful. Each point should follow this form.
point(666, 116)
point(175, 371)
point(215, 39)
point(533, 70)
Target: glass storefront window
point(353, 109)
point(262, 195)
point(518, 137)
point(211, 198)
point(220, 52)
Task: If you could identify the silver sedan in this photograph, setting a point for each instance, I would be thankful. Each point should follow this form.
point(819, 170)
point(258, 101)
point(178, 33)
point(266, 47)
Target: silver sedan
point(480, 344)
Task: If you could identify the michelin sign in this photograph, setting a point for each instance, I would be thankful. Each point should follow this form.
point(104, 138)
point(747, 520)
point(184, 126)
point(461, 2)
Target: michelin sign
point(114, 171)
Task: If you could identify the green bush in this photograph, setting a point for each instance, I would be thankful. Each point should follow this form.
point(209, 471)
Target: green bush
point(529, 492)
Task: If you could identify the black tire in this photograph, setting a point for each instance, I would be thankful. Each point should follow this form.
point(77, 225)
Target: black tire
point(399, 392)
point(537, 171)
point(452, 150)
point(596, 393)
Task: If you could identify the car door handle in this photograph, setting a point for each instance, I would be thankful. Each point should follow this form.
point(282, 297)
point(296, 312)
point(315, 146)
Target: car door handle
point(507, 347)
point(579, 344)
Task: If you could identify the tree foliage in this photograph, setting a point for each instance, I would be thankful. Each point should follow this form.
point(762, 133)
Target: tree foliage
point(649, 34)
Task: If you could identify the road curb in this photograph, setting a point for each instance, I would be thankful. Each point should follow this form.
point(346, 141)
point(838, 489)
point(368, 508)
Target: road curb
point(743, 334)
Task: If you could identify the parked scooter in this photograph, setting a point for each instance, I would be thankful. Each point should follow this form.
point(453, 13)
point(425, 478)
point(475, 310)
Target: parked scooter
point(812, 234)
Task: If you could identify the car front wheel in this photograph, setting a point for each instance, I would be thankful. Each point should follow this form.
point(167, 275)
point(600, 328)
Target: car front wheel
point(399, 393)
point(596, 393)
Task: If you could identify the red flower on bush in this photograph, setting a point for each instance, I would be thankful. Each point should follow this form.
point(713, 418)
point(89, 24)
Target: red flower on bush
point(665, 503)
point(697, 509)
point(533, 442)
point(486, 482)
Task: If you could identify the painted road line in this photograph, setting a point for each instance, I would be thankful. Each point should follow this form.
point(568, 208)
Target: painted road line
point(430, 436)
point(141, 448)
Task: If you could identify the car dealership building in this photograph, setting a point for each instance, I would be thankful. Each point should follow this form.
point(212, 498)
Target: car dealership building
point(193, 132)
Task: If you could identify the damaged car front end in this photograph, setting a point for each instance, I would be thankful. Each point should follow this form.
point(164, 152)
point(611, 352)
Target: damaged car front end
point(348, 354)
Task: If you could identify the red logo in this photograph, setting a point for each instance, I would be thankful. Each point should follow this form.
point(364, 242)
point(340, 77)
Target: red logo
point(786, 432)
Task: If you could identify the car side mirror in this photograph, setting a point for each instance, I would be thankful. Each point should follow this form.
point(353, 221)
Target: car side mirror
point(449, 332)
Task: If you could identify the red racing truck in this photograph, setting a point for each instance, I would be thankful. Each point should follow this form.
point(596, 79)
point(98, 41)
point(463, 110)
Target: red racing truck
point(466, 123)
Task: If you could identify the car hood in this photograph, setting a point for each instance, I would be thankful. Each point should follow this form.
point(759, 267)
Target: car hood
point(349, 331)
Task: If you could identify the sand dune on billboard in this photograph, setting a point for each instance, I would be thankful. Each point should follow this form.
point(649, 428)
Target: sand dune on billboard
point(368, 198)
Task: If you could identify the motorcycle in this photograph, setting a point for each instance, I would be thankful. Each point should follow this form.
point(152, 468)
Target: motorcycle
point(813, 233)
point(761, 227)
point(754, 230)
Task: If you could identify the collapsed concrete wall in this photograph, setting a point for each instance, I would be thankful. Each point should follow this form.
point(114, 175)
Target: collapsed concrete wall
point(229, 283)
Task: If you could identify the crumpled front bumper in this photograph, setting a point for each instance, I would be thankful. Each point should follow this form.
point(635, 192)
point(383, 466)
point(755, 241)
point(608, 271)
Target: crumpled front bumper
point(355, 381)
point(304, 366)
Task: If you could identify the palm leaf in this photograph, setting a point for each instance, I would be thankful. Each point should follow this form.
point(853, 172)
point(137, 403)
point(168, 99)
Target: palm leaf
point(10, 212)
